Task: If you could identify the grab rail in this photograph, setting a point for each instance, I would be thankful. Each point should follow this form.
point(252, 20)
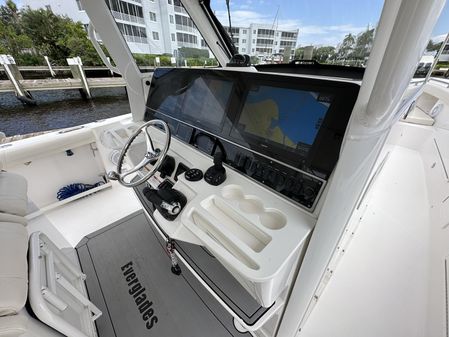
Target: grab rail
point(93, 38)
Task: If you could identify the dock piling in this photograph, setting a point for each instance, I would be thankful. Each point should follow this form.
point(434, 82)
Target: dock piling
point(14, 75)
point(76, 67)
point(52, 72)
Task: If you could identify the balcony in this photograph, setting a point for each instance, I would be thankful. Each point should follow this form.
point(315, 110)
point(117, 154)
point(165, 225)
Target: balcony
point(289, 38)
point(181, 10)
point(271, 36)
point(135, 39)
point(187, 44)
point(127, 17)
point(185, 28)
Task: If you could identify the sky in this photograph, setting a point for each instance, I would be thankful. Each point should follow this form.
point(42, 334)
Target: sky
point(320, 22)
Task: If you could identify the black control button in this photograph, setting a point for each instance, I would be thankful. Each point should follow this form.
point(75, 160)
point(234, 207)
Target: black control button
point(194, 174)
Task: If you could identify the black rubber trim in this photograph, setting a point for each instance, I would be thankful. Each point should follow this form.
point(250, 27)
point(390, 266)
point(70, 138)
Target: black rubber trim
point(314, 68)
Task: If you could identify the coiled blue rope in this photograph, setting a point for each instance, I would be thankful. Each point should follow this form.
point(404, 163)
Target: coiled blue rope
point(74, 189)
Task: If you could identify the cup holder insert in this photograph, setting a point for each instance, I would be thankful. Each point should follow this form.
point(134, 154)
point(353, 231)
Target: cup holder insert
point(213, 233)
point(273, 219)
point(232, 192)
point(251, 204)
point(268, 217)
point(237, 224)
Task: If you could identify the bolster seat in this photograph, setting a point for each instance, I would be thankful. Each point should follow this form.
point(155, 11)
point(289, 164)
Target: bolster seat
point(13, 267)
point(13, 194)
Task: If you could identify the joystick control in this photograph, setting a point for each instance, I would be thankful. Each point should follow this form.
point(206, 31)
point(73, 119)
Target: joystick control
point(216, 174)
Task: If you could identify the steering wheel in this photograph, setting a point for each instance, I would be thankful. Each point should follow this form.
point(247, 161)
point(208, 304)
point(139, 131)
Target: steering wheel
point(151, 155)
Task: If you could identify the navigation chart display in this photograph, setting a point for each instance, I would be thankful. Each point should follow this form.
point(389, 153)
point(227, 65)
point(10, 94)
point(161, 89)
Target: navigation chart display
point(288, 117)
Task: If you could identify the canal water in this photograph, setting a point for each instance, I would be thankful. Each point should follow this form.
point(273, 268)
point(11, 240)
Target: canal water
point(59, 109)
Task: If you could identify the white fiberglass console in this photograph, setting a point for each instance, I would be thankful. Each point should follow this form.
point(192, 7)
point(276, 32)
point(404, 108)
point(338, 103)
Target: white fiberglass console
point(255, 233)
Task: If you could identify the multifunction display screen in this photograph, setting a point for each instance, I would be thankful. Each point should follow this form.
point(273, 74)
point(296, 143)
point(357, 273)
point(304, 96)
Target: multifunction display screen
point(198, 100)
point(297, 121)
point(287, 117)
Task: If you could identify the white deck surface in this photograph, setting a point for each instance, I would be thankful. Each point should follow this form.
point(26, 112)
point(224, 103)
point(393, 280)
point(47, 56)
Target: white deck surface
point(380, 286)
point(68, 224)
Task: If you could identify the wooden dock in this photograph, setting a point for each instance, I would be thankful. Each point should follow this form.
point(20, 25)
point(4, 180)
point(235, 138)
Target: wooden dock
point(67, 68)
point(61, 84)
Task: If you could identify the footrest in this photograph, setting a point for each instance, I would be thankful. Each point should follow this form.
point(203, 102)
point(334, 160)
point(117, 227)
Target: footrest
point(57, 292)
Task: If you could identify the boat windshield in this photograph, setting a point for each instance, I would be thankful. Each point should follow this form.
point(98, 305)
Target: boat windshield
point(332, 32)
point(327, 31)
point(161, 33)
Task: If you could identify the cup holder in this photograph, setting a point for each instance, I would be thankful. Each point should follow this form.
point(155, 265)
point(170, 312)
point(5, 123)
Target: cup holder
point(250, 204)
point(273, 219)
point(233, 192)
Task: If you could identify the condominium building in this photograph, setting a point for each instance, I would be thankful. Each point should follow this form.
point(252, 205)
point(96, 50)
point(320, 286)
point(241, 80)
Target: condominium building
point(148, 26)
point(444, 57)
point(163, 27)
point(263, 41)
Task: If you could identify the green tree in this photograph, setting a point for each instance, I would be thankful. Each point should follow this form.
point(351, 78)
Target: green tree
point(323, 54)
point(299, 53)
point(432, 46)
point(12, 39)
point(12, 42)
point(58, 37)
point(78, 44)
point(29, 34)
point(363, 45)
point(193, 52)
point(10, 15)
point(346, 47)
point(254, 60)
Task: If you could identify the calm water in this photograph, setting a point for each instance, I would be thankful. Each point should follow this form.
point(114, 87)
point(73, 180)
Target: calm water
point(59, 109)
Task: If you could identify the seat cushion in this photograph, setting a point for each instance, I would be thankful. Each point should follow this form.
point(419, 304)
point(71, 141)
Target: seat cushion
point(13, 194)
point(5, 217)
point(13, 267)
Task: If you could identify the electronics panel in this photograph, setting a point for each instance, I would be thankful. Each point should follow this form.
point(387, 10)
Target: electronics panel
point(282, 131)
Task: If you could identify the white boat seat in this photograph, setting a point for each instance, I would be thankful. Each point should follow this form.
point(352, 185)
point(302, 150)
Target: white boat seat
point(12, 326)
point(5, 217)
point(13, 267)
point(13, 194)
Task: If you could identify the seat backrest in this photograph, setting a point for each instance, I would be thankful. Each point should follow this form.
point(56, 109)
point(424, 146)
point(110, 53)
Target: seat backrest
point(13, 267)
point(13, 194)
point(13, 243)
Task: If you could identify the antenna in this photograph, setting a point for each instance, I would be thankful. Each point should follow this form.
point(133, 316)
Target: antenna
point(230, 25)
point(275, 23)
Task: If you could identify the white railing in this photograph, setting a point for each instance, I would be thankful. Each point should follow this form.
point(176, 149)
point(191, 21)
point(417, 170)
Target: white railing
point(127, 17)
point(136, 39)
point(179, 9)
point(187, 44)
point(185, 28)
